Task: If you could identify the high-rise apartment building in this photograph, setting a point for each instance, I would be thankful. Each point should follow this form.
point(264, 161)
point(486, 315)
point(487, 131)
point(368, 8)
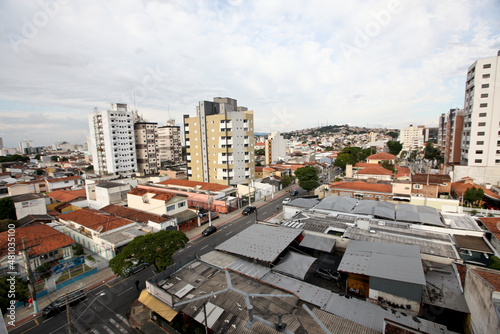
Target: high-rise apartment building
point(220, 142)
point(481, 134)
point(412, 138)
point(169, 144)
point(112, 142)
point(146, 147)
point(453, 125)
point(275, 146)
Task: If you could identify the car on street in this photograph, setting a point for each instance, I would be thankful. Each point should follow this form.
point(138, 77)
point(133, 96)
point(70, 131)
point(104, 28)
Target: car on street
point(328, 274)
point(60, 303)
point(134, 268)
point(294, 192)
point(249, 210)
point(209, 230)
point(287, 200)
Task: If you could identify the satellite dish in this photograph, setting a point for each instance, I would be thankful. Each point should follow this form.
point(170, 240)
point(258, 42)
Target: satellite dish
point(100, 228)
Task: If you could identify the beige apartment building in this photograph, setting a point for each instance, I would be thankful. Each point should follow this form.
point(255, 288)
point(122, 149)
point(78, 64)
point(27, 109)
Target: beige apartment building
point(220, 143)
point(146, 147)
point(169, 144)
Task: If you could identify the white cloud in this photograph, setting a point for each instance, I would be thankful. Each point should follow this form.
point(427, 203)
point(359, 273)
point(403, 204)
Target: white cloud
point(405, 61)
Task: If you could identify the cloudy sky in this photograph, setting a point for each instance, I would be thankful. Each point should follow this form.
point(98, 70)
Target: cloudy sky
point(297, 64)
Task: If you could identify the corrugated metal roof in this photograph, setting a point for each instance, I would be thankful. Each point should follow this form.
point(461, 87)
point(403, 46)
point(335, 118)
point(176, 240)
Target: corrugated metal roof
point(219, 259)
point(337, 203)
point(418, 214)
point(250, 269)
point(461, 221)
point(260, 242)
point(376, 208)
point(473, 243)
point(306, 203)
point(313, 241)
point(390, 261)
point(295, 264)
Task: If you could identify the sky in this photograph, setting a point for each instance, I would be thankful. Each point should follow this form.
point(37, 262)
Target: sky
point(296, 64)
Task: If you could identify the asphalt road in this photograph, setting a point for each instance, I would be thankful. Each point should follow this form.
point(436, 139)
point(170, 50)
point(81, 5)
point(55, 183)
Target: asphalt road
point(105, 308)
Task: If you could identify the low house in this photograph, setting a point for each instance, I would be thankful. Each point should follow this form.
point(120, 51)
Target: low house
point(385, 273)
point(458, 189)
point(107, 192)
point(430, 185)
point(362, 190)
point(64, 183)
point(44, 244)
point(374, 172)
point(493, 235)
point(377, 158)
point(30, 204)
point(155, 222)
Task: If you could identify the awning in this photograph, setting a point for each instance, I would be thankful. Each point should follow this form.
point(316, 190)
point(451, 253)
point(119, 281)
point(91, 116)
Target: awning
point(295, 264)
point(157, 306)
point(184, 216)
point(319, 243)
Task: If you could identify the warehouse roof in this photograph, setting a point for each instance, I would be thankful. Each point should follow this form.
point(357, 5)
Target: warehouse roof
point(337, 203)
point(376, 208)
point(418, 214)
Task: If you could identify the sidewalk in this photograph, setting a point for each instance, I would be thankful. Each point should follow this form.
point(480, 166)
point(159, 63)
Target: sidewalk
point(24, 313)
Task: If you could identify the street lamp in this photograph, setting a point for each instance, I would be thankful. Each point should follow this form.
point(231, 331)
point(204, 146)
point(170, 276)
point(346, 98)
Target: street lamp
point(102, 293)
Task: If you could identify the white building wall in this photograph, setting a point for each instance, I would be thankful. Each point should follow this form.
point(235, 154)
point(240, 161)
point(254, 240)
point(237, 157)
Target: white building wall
point(31, 207)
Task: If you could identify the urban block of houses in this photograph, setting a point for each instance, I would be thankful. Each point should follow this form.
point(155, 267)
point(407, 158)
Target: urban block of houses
point(458, 189)
point(101, 194)
point(44, 243)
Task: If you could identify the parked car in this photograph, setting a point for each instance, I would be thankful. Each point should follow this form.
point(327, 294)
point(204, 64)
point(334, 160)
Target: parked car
point(287, 200)
point(249, 210)
point(134, 268)
point(294, 192)
point(328, 274)
point(60, 303)
point(209, 230)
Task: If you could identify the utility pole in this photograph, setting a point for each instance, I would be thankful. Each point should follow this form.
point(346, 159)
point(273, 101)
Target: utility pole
point(24, 250)
point(209, 212)
point(205, 313)
point(67, 315)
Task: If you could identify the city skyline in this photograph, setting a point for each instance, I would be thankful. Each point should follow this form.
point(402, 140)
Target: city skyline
point(389, 64)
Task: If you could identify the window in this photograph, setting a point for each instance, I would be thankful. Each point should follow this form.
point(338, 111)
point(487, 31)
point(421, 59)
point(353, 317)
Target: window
point(181, 204)
point(485, 86)
point(481, 124)
point(486, 76)
point(483, 105)
point(478, 161)
point(487, 66)
point(170, 208)
point(479, 152)
point(497, 161)
point(417, 186)
point(498, 151)
point(483, 114)
point(480, 142)
point(484, 95)
point(481, 133)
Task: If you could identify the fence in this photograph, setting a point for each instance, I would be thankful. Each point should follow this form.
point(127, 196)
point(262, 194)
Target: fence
point(484, 212)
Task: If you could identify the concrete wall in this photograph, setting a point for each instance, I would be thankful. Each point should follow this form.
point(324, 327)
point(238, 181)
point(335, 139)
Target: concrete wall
point(31, 207)
point(478, 294)
point(480, 174)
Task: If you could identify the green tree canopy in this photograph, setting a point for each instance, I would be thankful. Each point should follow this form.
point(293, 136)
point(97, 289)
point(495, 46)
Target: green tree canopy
point(4, 224)
point(352, 155)
point(308, 178)
point(287, 180)
point(394, 147)
point(387, 164)
point(7, 209)
point(393, 134)
point(260, 151)
point(21, 291)
point(474, 195)
point(40, 171)
point(37, 157)
point(15, 157)
point(155, 248)
point(54, 158)
point(431, 152)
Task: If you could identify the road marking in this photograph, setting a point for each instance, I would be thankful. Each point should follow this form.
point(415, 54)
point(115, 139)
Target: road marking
point(203, 247)
point(46, 320)
point(181, 250)
point(95, 331)
point(229, 233)
point(189, 246)
point(120, 328)
point(122, 318)
point(124, 291)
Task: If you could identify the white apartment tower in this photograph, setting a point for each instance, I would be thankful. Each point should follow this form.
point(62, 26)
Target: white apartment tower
point(220, 143)
point(169, 144)
point(275, 147)
point(112, 141)
point(146, 147)
point(481, 133)
point(412, 138)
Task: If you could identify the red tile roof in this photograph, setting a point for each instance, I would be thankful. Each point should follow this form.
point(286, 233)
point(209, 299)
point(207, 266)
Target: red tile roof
point(364, 164)
point(374, 170)
point(258, 168)
point(67, 195)
point(402, 171)
point(293, 167)
point(260, 144)
point(161, 195)
point(64, 179)
point(430, 178)
point(193, 184)
point(461, 186)
point(93, 220)
point(360, 185)
point(492, 224)
point(381, 156)
point(490, 276)
point(39, 238)
point(135, 215)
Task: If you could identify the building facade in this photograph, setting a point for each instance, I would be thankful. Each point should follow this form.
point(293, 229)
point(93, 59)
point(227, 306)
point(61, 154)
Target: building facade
point(481, 134)
point(112, 141)
point(454, 123)
point(220, 143)
point(275, 146)
point(412, 138)
point(146, 147)
point(169, 144)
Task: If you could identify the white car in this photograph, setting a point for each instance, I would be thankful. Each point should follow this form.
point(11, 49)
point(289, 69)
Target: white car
point(287, 200)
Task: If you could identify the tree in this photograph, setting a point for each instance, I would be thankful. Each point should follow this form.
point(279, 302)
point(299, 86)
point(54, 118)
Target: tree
point(287, 180)
point(78, 249)
point(54, 158)
point(37, 157)
point(387, 164)
point(352, 155)
point(474, 195)
point(4, 224)
point(7, 209)
point(260, 151)
point(393, 134)
point(21, 291)
point(308, 178)
point(258, 164)
point(431, 152)
point(40, 171)
point(394, 147)
point(155, 248)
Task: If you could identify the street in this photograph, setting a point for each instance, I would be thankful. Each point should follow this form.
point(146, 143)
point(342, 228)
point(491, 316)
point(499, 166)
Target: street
point(106, 306)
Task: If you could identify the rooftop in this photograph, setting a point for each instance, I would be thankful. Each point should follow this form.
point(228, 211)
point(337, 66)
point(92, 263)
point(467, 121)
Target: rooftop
point(95, 220)
point(381, 156)
point(430, 178)
point(493, 225)
point(132, 214)
point(67, 195)
point(195, 184)
point(364, 186)
point(374, 170)
point(161, 195)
